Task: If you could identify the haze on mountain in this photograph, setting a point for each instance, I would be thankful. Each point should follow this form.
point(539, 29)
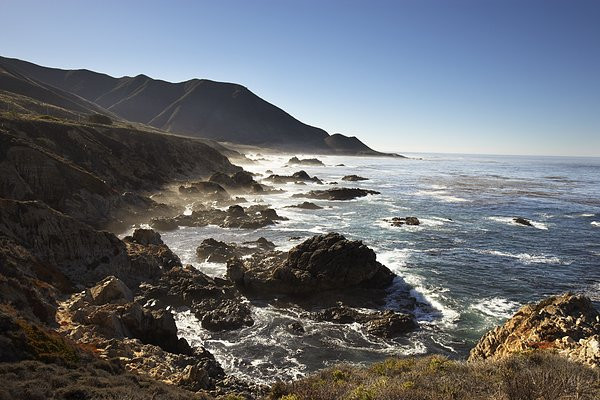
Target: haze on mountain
point(198, 108)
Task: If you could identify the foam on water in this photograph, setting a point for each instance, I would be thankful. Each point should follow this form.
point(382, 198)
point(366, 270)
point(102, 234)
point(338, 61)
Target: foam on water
point(595, 223)
point(511, 221)
point(524, 257)
point(496, 307)
point(441, 195)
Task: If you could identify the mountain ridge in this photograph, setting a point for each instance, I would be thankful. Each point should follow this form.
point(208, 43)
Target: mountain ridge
point(200, 108)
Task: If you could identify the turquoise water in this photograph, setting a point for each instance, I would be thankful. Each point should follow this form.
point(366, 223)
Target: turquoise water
point(468, 264)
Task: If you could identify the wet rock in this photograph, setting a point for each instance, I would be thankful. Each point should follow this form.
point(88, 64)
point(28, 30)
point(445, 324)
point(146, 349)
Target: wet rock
point(354, 178)
point(337, 194)
point(253, 217)
point(522, 221)
point(386, 324)
point(323, 262)
point(307, 205)
point(212, 250)
point(297, 177)
point(296, 327)
point(305, 161)
point(567, 324)
point(389, 324)
point(262, 243)
point(230, 315)
point(397, 221)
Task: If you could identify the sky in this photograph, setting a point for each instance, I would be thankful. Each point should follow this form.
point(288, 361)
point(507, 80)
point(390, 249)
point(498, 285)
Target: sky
point(479, 76)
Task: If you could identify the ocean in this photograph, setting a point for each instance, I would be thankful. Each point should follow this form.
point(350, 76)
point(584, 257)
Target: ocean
point(468, 264)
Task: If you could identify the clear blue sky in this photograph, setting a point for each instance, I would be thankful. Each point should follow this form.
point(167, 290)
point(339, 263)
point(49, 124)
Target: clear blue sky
point(480, 76)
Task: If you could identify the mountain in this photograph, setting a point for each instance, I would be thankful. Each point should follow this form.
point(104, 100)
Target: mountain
point(195, 108)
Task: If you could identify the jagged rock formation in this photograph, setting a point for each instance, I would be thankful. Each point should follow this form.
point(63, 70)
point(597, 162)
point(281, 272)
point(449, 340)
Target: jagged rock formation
point(235, 216)
point(354, 178)
point(567, 324)
point(300, 176)
point(307, 205)
point(321, 263)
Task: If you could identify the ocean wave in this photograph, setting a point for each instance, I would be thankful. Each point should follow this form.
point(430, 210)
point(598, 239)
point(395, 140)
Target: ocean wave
point(432, 306)
point(441, 195)
point(510, 221)
point(595, 223)
point(525, 257)
point(496, 307)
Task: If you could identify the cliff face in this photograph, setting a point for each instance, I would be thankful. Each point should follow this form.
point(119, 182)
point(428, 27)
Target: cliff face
point(84, 170)
point(567, 324)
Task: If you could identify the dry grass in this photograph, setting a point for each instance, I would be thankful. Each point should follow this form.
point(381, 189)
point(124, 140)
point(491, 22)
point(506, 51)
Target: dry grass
point(539, 376)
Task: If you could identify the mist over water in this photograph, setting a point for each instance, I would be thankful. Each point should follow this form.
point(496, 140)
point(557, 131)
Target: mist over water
point(468, 264)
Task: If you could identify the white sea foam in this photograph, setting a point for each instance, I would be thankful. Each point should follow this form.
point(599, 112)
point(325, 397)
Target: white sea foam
point(441, 195)
point(496, 307)
point(511, 221)
point(525, 257)
point(432, 307)
point(595, 223)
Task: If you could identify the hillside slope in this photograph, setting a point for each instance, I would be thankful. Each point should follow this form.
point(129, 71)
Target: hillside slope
point(196, 108)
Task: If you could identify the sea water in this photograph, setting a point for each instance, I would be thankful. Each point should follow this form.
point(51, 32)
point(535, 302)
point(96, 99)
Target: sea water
point(469, 265)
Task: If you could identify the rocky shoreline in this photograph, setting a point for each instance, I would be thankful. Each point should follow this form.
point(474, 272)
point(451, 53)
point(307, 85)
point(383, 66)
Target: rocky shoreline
point(72, 294)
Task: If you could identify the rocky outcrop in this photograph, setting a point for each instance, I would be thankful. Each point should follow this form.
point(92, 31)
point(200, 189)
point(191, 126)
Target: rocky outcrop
point(387, 324)
point(241, 180)
point(212, 250)
point(321, 263)
point(522, 221)
point(296, 177)
point(235, 216)
point(214, 301)
point(208, 191)
point(399, 221)
point(567, 324)
point(337, 194)
point(306, 161)
point(307, 205)
point(354, 178)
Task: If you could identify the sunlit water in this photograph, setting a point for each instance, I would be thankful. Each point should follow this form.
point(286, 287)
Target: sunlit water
point(468, 260)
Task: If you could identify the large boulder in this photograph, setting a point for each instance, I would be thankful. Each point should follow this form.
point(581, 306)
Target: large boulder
point(111, 289)
point(321, 263)
point(354, 178)
point(567, 324)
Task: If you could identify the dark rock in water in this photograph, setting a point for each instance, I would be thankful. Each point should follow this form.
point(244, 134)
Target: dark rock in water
point(397, 221)
point(305, 161)
point(296, 327)
point(387, 324)
point(340, 165)
point(214, 301)
point(262, 243)
point(212, 250)
point(323, 262)
point(216, 251)
point(390, 324)
point(354, 178)
point(230, 315)
point(268, 171)
point(297, 177)
point(253, 217)
point(336, 194)
point(243, 179)
point(307, 205)
point(333, 183)
point(522, 221)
